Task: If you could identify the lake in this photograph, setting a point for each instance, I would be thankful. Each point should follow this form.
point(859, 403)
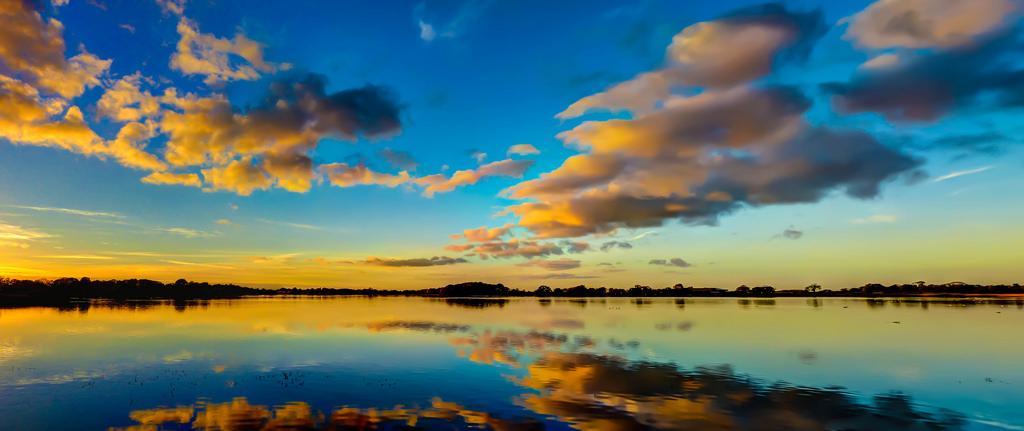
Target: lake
point(518, 364)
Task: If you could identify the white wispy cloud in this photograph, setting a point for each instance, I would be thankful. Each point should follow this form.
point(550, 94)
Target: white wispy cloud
point(275, 259)
point(204, 265)
point(78, 257)
point(19, 233)
point(71, 211)
point(642, 235)
point(187, 233)
point(290, 224)
point(957, 174)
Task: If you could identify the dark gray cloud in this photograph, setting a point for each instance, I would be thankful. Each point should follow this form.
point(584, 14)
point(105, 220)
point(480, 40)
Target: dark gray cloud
point(616, 244)
point(675, 261)
point(302, 101)
point(792, 233)
point(806, 168)
point(807, 27)
point(416, 262)
point(575, 246)
point(924, 86)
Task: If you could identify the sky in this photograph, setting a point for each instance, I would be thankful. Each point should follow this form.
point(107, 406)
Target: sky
point(404, 145)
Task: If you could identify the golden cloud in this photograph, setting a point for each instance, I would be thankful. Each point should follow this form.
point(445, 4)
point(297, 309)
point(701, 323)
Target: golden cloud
point(218, 59)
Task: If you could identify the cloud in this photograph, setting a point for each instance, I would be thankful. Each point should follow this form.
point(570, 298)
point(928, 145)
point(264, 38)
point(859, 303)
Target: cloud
point(78, 257)
point(950, 55)
point(399, 159)
point(427, 32)
point(240, 176)
point(14, 234)
point(928, 23)
point(269, 145)
point(33, 50)
point(731, 143)
point(792, 233)
point(516, 248)
point(522, 150)
point(478, 155)
point(129, 148)
point(72, 211)
point(295, 115)
point(186, 232)
point(415, 262)
point(275, 260)
point(176, 7)
point(459, 248)
point(562, 264)
point(575, 246)
point(484, 234)
point(675, 261)
point(577, 171)
point(877, 218)
point(456, 23)
point(697, 162)
point(292, 224)
point(199, 264)
point(125, 100)
point(610, 245)
point(642, 235)
point(722, 53)
point(343, 175)
point(29, 118)
point(217, 59)
point(291, 171)
point(170, 178)
point(438, 183)
point(957, 174)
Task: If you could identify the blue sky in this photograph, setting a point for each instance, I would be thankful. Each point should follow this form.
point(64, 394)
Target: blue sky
point(472, 77)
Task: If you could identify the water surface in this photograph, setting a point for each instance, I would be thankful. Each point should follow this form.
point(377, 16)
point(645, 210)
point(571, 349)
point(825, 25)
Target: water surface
point(536, 364)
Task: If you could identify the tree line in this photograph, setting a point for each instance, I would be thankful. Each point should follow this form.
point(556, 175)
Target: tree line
point(28, 292)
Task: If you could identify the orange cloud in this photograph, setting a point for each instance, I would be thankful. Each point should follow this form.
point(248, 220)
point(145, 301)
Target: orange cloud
point(217, 59)
point(126, 101)
point(697, 157)
point(240, 176)
point(34, 50)
point(343, 175)
point(485, 234)
point(721, 53)
point(438, 183)
point(182, 179)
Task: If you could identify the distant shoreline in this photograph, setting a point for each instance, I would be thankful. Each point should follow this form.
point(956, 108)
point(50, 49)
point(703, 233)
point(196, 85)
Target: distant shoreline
point(15, 293)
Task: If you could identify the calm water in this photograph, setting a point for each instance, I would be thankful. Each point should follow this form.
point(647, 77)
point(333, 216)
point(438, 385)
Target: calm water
point(396, 363)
